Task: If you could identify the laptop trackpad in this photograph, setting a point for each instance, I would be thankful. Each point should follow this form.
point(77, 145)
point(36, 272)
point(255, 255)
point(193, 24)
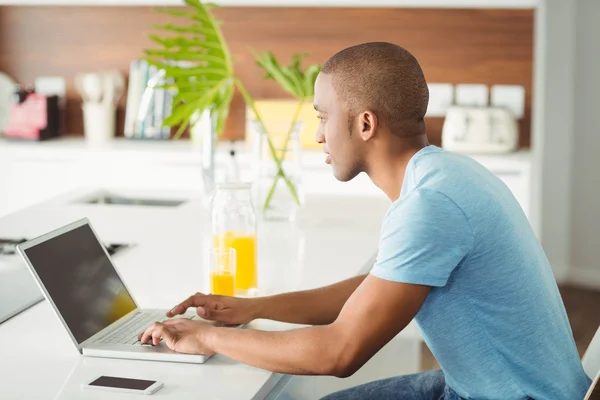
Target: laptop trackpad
point(158, 348)
point(134, 348)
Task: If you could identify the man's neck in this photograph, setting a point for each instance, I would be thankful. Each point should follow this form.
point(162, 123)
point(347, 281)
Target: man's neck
point(388, 169)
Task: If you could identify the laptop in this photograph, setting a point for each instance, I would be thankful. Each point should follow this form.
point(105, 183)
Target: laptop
point(77, 277)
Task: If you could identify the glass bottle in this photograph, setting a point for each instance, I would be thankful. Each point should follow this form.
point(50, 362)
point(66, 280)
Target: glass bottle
point(278, 199)
point(234, 226)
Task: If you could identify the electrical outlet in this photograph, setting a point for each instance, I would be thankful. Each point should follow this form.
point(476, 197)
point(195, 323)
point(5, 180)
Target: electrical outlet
point(472, 95)
point(511, 97)
point(441, 96)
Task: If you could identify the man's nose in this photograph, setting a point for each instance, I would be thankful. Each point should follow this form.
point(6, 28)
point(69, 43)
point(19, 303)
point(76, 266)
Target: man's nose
point(319, 137)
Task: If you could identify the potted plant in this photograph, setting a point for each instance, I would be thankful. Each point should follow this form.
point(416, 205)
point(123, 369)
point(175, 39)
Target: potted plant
point(198, 65)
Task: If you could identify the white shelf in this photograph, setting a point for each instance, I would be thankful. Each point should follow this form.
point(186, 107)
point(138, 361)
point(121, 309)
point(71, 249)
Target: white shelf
point(293, 3)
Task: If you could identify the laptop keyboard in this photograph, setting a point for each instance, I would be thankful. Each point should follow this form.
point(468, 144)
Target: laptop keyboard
point(129, 331)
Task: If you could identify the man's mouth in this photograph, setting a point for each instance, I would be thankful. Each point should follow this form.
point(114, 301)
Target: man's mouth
point(328, 159)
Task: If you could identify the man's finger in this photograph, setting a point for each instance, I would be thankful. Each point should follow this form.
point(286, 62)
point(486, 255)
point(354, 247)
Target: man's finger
point(203, 312)
point(181, 307)
point(148, 333)
point(158, 333)
point(192, 301)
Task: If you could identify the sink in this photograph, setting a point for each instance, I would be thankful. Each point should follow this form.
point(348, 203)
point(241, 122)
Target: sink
point(115, 199)
point(8, 246)
point(114, 248)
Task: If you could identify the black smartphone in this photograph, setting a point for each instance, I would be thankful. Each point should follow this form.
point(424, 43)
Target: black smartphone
point(128, 385)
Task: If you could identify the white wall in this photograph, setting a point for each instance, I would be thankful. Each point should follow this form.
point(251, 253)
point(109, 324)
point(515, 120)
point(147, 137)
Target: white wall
point(552, 130)
point(566, 138)
point(585, 173)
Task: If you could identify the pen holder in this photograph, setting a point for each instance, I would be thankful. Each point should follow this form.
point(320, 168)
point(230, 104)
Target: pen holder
point(99, 123)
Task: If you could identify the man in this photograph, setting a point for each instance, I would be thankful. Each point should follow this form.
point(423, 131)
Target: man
point(456, 253)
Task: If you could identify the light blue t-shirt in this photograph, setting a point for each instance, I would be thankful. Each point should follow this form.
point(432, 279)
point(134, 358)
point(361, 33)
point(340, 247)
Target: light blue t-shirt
point(494, 318)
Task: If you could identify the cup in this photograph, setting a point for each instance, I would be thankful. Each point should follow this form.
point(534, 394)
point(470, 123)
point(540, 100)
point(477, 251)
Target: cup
point(222, 271)
point(99, 123)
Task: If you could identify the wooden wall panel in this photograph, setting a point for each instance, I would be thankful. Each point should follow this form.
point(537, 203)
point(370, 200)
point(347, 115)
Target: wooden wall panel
point(456, 46)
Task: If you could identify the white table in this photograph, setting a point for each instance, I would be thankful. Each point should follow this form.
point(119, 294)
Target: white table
point(333, 239)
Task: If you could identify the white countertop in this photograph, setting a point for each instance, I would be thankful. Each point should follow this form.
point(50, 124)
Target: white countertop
point(331, 241)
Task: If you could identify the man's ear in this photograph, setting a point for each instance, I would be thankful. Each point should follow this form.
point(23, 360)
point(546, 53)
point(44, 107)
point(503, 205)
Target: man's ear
point(368, 125)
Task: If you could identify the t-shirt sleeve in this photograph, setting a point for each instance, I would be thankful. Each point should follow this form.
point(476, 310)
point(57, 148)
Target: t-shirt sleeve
point(424, 237)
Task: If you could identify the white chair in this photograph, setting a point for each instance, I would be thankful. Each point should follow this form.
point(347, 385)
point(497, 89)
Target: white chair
point(591, 357)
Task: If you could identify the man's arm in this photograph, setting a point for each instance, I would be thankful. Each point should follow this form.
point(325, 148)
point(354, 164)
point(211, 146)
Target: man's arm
point(376, 312)
point(310, 307)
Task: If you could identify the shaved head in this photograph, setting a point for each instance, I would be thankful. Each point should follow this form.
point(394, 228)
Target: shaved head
point(383, 78)
point(371, 100)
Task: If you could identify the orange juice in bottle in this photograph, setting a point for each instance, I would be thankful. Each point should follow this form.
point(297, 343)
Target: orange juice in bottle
point(234, 226)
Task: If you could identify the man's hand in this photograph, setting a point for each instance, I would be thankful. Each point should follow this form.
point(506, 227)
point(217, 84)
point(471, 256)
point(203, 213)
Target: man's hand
point(225, 309)
point(181, 335)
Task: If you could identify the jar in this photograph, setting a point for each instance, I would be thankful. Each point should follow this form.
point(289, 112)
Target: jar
point(277, 172)
point(234, 226)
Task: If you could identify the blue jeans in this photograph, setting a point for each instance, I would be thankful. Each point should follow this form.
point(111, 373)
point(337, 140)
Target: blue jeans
point(430, 385)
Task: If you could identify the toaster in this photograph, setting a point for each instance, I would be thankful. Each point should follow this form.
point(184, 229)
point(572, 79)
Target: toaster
point(489, 130)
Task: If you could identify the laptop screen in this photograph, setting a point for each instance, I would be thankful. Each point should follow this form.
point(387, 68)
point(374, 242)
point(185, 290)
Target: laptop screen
point(81, 281)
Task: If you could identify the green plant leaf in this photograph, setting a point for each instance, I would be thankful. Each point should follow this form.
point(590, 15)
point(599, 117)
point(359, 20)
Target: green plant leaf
point(295, 80)
point(310, 76)
point(183, 111)
point(174, 12)
point(188, 96)
point(202, 18)
point(268, 62)
point(291, 77)
point(165, 42)
point(200, 4)
point(209, 47)
point(188, 56)
point(196, 29)
point(187, 86)
point(296, 63)
point(222, 110)
point(181, 129)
